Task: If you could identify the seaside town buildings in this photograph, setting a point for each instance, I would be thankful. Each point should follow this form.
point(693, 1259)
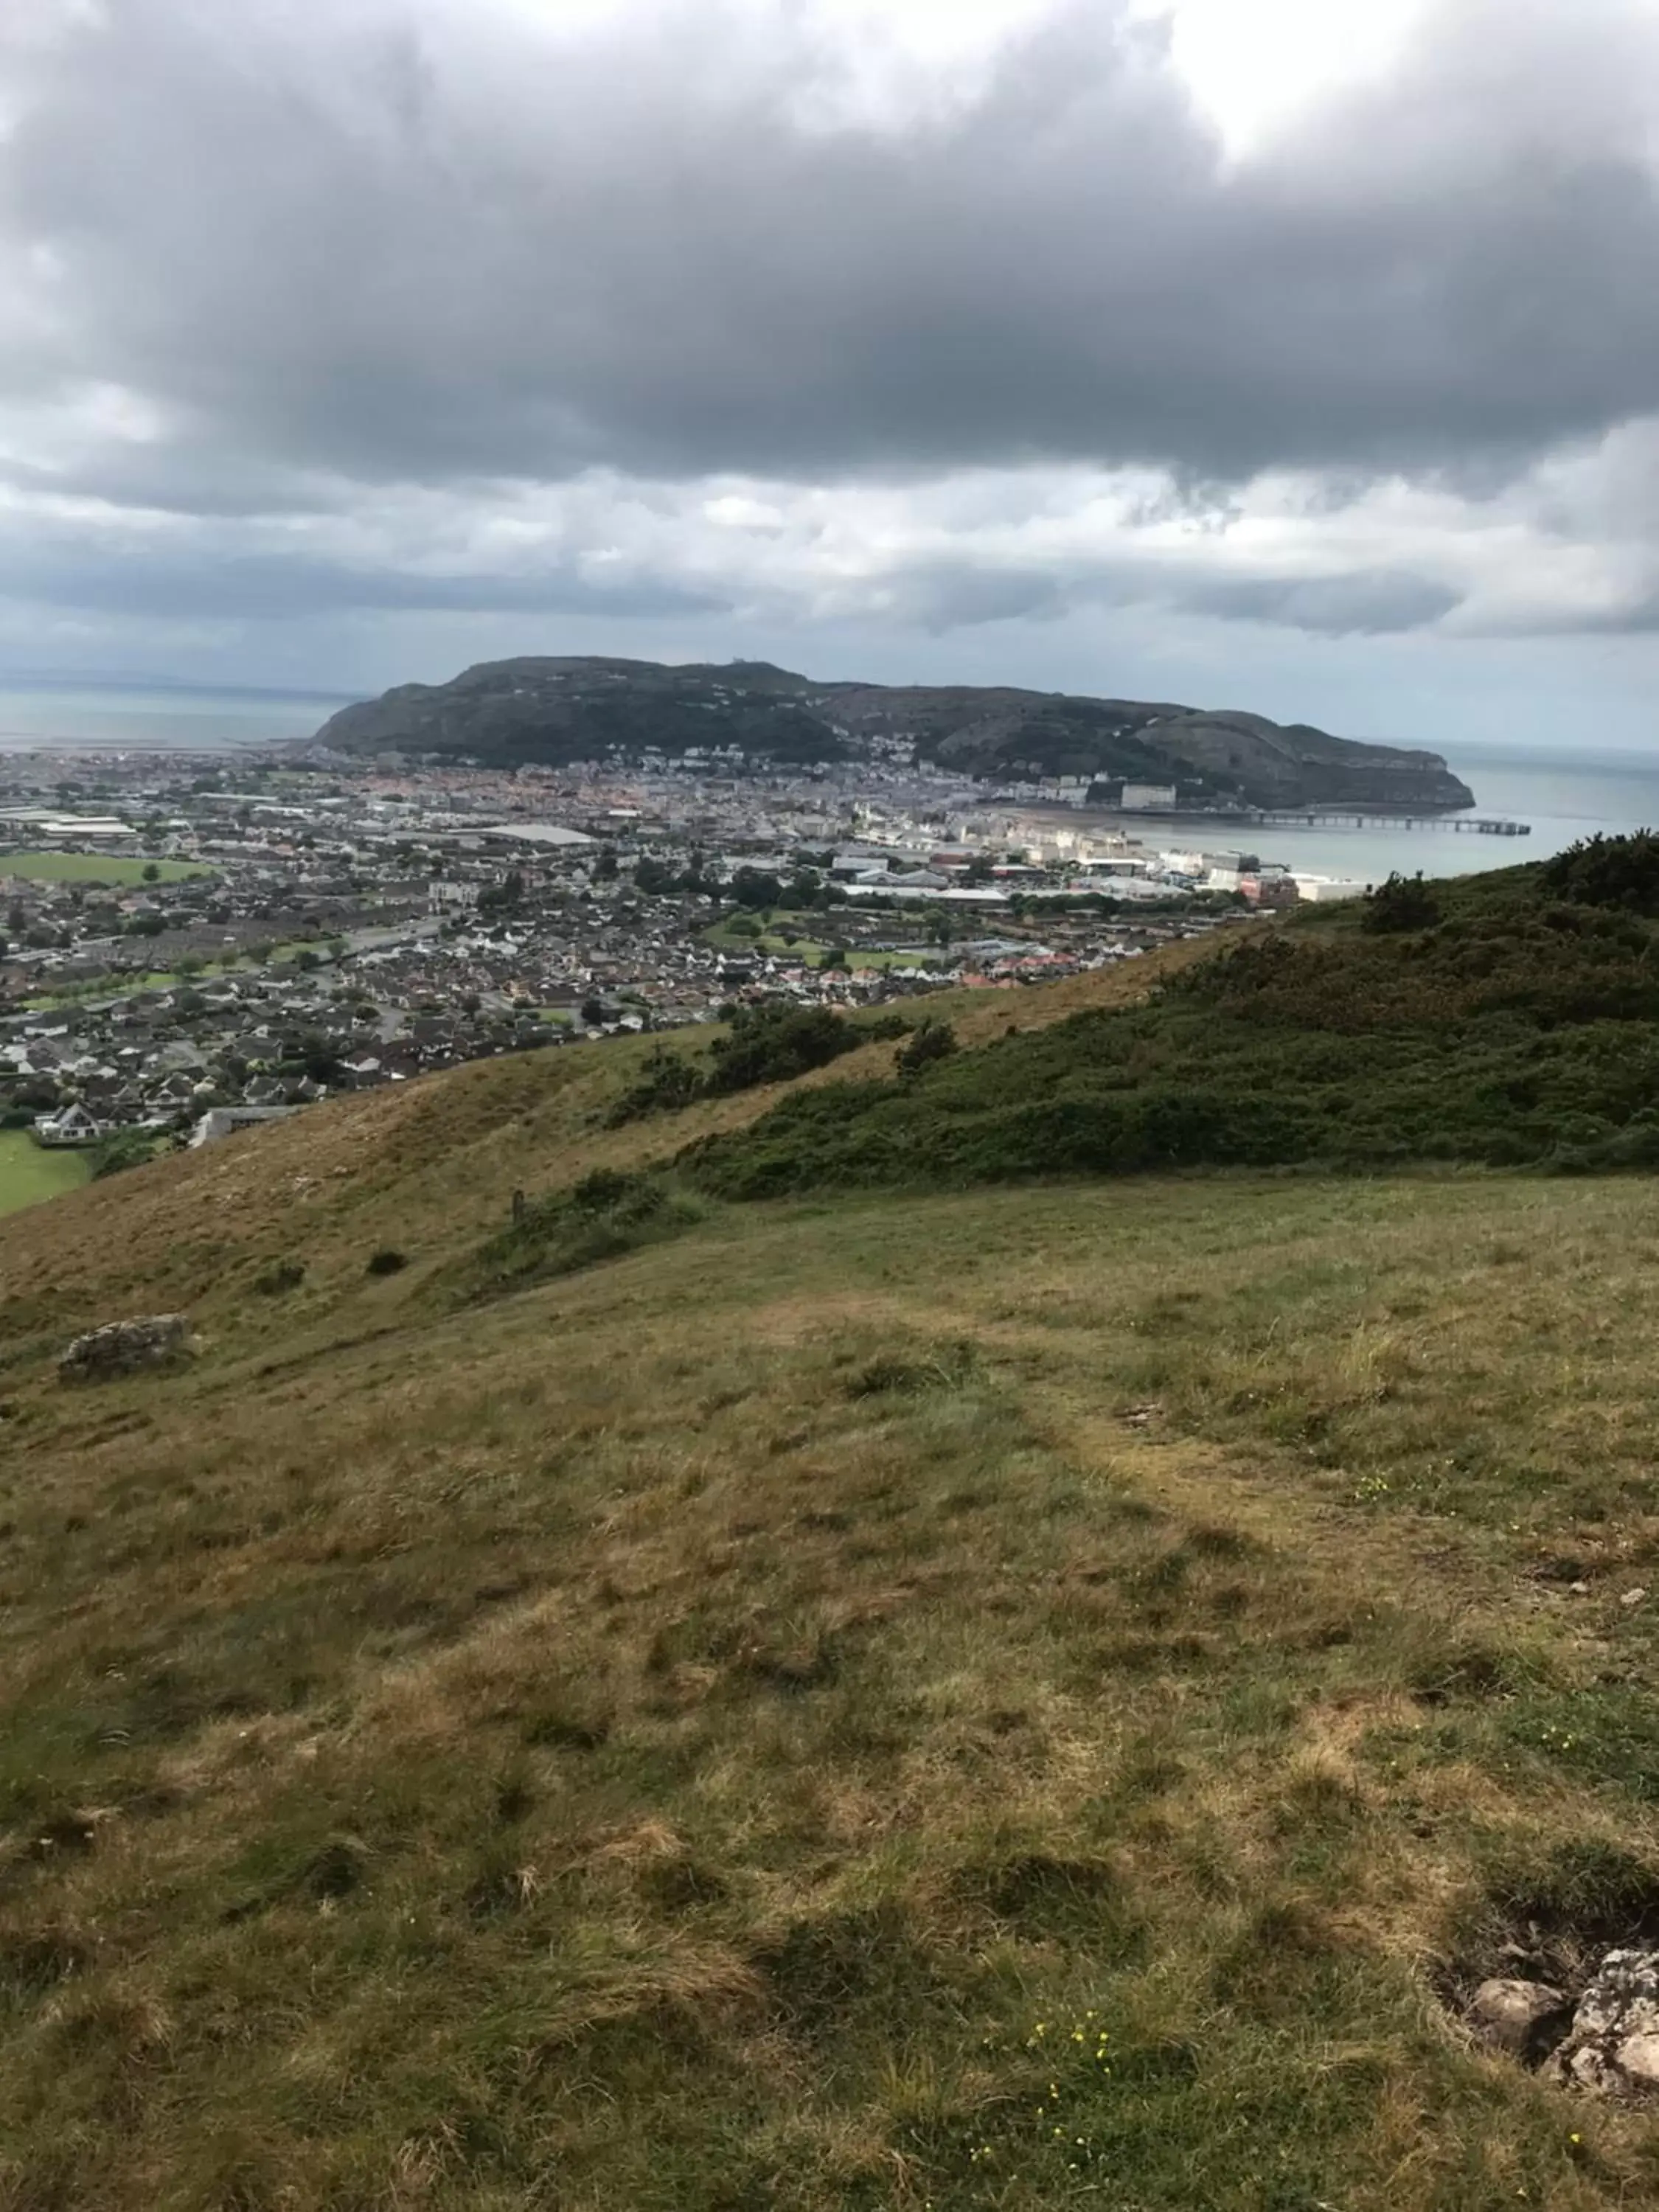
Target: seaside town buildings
point(191, 943)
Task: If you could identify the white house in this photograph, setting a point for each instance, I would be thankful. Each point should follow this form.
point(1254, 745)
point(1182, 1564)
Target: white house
point(71, 1125)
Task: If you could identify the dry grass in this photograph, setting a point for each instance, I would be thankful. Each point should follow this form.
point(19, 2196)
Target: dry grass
point(737, 1728)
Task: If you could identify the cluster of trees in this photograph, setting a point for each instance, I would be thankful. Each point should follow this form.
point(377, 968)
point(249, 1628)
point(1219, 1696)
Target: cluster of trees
point(504, 897)
point(754, 890)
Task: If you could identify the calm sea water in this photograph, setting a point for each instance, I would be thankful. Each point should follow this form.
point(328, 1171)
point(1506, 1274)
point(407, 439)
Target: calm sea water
point(139, 720)
point(1564, 797)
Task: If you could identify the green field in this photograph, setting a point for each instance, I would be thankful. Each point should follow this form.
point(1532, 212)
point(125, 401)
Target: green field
point(28, 1174)
point(809, 949)
point(95, 868)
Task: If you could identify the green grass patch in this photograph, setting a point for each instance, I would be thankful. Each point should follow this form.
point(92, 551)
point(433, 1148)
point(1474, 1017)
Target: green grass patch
point(29, 1172)
point(98, 868)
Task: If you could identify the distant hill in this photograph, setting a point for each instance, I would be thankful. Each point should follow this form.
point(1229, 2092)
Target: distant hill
point(556, 710)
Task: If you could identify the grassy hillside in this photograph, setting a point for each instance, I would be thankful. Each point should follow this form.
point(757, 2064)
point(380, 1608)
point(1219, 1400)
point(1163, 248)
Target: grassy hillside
point(980, 1699)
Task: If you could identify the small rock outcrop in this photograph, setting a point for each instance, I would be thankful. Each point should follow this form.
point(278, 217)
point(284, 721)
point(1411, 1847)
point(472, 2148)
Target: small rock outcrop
point(1522, 2018)
point(1612, 2048)
point(123, 1347)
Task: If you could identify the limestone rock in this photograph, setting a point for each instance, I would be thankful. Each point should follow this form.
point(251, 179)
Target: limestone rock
point(1513, 2015)
point(1612, 2047)
point(123, 1347)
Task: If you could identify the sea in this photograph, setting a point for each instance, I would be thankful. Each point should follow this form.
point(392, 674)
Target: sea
point(1563, 796)
point(108, 718)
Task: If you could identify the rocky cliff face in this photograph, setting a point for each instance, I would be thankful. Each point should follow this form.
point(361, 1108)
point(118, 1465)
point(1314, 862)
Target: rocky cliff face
point(556, 710)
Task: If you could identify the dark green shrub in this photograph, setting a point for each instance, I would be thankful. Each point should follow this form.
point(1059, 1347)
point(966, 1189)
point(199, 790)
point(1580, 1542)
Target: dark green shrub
point(1608, 871)
point(775, 1044)
point(603, 1216)
point(386, 1261)
point(1401, 903)
point(121, 1150)
point(667, 1082)
point(933, 1041)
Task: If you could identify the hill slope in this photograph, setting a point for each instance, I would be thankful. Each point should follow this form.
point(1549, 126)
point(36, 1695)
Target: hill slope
point(556, 710)
point(996, 1698)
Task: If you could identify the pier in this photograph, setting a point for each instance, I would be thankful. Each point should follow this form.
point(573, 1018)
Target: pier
point(1483, 825)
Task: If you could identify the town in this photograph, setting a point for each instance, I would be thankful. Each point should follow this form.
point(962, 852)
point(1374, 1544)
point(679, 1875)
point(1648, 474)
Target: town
point(194, 943)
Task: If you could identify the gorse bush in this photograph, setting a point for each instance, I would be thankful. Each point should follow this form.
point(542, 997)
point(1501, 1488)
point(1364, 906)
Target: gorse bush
point(1402, 902)
point(762, 1044)
point(123, 1149)
point(932, 1041)
point(1618, 872)
point(606, 1214)
point(775, 1044)
point(667, 1082)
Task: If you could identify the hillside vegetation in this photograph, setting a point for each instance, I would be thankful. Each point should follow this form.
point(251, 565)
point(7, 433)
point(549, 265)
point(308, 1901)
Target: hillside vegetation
point(996, 1698)
point(1504, 1019)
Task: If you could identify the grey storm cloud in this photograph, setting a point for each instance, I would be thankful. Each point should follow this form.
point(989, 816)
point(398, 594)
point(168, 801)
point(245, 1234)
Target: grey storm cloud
point(142, 581)
point(418, 242)
point(1373, 604)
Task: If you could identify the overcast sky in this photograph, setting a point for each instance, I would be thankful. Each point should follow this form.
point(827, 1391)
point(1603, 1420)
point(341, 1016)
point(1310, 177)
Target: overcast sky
point(1299, 355)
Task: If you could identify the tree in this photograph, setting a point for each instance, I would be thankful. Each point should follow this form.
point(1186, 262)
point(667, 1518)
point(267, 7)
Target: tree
point(604, 868)
point(504, 897)
point(939, 926)
point(152, 873)
point(756, 889)
point(592, 1012)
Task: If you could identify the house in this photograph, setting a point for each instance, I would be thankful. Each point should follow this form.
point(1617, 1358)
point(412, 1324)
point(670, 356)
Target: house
point(71, 1125)
point(224, 1121)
